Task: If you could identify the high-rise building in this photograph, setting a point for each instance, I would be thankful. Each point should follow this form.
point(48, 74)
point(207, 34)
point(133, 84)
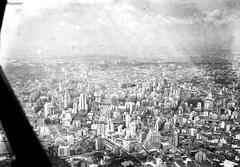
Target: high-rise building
point(63, 151)
point(82, 105)
point(222, 124)
point(157, 124)
point(47, 109)
point(142, 137)
point(132, 107)
point(180, 112)
point(176, 139)
point(75, 106)
point(54, 96)
point(114, 101)
point(127, 120)
point(101, 130)
point(200, 157)
point(110, 126)
point(67, 100)
point(128, 134)
point(175, 119)
point(208, 104)
point(153, 137)
point(133, 128)
point(238, 136)
point(199, 136)
point(99, 144)
point(193, 131)
point(186, 105)
point(128, 145)
point(167, 126)
point(76, 123)
point(228, 128)
point(60, 87)
point(192, 115)
point(120, 128)
point(205, 113)
point(199, 106)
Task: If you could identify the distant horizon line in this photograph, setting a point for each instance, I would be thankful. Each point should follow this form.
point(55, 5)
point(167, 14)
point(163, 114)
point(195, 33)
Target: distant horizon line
point(117, 61)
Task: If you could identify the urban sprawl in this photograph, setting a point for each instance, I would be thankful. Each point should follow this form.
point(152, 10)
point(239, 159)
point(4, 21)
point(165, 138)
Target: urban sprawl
point(132, 114)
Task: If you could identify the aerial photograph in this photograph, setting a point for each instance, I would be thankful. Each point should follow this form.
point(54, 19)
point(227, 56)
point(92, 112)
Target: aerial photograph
point(126, 83)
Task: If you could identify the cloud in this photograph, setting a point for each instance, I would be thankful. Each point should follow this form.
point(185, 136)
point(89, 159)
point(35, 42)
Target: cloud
point(127, 27)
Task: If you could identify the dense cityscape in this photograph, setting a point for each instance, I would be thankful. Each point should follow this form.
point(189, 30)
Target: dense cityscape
point(116, 113)
point(122, 83)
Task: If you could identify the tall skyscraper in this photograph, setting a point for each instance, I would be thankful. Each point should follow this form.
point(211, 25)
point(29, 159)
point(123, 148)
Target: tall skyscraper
point(82, 105)
point(133, 128)
point(67, 100)
point(99, 144)
point(101, 130)
point(127, 120)
point(158, 121)
point(75, 108)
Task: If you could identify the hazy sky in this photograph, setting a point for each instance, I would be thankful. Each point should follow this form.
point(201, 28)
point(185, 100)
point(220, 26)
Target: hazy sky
point(181, 29)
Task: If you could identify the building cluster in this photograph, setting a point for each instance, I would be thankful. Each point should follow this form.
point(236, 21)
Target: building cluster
point(134, 115)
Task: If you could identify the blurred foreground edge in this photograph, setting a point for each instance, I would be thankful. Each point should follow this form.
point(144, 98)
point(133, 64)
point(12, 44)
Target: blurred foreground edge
point(24, 143)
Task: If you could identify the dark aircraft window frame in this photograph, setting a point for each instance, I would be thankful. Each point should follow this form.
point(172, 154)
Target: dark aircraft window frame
point(23, 141)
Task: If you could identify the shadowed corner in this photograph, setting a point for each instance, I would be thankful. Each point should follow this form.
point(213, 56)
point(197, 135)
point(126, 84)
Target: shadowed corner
point(25, 143)
point(22, 139)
